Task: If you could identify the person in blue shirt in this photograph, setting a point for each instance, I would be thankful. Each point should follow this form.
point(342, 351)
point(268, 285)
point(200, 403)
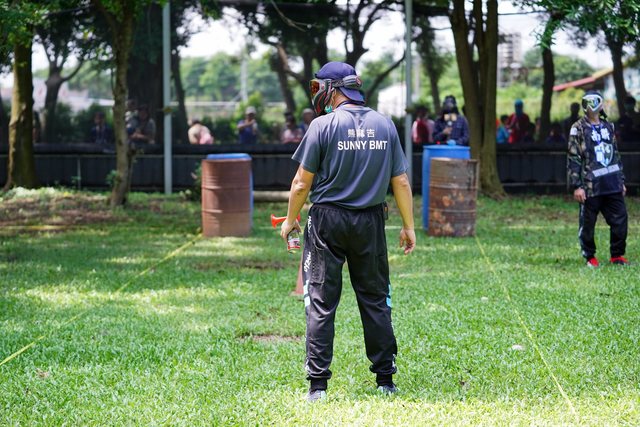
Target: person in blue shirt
point(307, 117)
point(248, 127)
point(348, 158)
point(502, 133)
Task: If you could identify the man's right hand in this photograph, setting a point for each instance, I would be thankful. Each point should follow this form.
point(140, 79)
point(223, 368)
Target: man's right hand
point(408, 240)
point(579, 195)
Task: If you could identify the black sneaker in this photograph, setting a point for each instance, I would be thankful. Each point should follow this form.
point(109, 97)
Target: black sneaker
point(387, 389)
point(316, 395)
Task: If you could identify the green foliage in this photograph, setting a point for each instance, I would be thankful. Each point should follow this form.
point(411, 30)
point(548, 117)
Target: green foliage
point(263, 79)
point(218, 78)
point(195, 192)
point(111, 177)
point(94, 78)
point(618, 19)
point(76, 127)
point(449, 85)
point(532, 96)
point(221, 77)
point(370, 70)
point(567, 68)
point(18, 19)
point(222, 128)
point(119, 8)
point(65, 128)
point(212, 337)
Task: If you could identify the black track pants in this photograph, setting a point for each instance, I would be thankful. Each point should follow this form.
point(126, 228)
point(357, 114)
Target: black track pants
point(332, 236)
point(614, 211)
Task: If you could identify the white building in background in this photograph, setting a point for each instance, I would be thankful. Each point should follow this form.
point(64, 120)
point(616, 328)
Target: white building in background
point(631, 82)
point(391, 100)
point(509, 58)
point(76, 100)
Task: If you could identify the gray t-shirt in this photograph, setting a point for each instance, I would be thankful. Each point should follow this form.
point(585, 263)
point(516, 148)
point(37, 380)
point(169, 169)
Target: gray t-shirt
point(353, 152)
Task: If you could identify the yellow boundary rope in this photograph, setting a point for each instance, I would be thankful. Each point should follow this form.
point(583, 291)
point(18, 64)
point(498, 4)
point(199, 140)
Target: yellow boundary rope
point(528, 332)
point(120, 289)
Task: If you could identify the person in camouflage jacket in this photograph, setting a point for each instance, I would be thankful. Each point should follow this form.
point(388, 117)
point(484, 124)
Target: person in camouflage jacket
point(595, 174)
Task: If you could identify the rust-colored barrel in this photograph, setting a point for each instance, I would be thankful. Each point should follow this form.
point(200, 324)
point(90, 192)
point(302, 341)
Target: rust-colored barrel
point(453, 193)
point(227, 195)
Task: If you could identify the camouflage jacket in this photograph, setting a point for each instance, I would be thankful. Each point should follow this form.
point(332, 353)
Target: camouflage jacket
point(594, 160)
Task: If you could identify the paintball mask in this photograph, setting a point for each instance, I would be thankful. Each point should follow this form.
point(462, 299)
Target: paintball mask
point(322, 91)
point(449, 105)
point(592, 101)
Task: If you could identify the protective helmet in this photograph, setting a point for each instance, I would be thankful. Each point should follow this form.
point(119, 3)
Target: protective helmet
point(593, 101)
point(449, 104)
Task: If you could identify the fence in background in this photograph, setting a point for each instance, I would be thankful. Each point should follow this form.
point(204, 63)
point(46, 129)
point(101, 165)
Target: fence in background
point(532, 168)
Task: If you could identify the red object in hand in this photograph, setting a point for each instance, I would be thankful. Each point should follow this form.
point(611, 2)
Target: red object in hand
point(275, 220)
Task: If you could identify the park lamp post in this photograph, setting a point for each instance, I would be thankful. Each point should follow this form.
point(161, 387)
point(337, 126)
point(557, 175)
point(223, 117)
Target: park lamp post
point(166, 98)
point(408, 120)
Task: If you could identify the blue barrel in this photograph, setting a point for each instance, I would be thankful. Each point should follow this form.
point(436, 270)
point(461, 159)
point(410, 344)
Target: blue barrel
point(428, 153)
point(227, 195)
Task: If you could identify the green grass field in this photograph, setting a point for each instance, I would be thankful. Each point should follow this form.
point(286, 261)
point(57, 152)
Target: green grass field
point(508, 328)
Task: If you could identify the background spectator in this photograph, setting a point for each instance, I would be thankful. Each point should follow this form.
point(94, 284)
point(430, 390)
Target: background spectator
point(145, 131)
point(451, 128)
point(131, 116)
point(574, 116)
point(37, 128)
point(292, 133)
point(628, 126)
point(199, 134)
point(422, 129)
point(307, 117)
point(519, 124)
point(556, 135)
point(248, 127)
point(502, 133)
point(101, 132)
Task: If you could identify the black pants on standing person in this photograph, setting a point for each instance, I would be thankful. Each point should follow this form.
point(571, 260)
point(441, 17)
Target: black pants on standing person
point(333, 235)
point(614, 211)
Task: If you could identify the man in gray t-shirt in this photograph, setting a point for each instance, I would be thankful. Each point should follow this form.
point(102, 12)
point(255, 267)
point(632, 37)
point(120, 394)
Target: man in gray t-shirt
point(348, 158)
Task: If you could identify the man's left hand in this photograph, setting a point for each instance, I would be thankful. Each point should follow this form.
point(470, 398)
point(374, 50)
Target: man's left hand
point(407, 240)
point(624, 190)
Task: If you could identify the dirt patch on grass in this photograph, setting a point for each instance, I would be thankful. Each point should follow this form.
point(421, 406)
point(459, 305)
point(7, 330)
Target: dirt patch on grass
point(54, 211)
point(270, 338)
point(239, 264)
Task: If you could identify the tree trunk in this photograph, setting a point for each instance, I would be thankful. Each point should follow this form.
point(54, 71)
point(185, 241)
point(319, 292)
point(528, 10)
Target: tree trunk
point(182, 119)
point(122, 35)
point(480, 105)
point(4, 124)
point(53, 83)
point(21, 170)
point(431, 58)
point(433, 84)
point(307, 73)
point(144, 75)
point(279, 64)
point(468, 78)
point(547, 92)
point(322, 51)
point(618, 76)
point(489, 179)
